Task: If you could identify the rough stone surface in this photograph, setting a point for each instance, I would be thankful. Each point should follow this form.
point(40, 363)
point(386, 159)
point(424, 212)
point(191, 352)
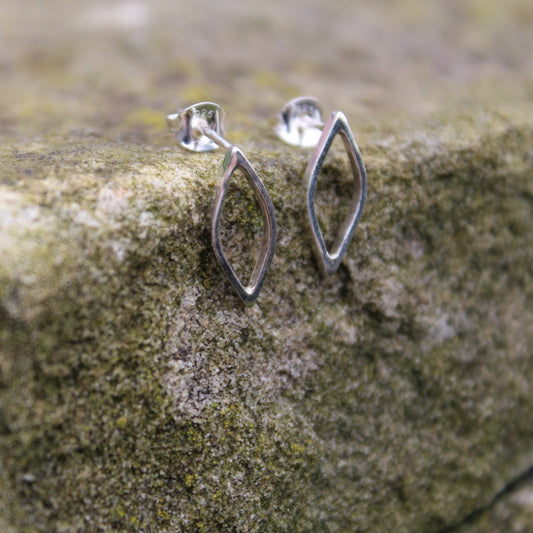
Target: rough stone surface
point(512, 511)
point(136, 390)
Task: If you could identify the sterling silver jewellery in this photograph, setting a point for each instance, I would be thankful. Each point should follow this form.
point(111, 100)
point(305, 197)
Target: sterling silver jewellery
point(200, 128)
point(300, 124)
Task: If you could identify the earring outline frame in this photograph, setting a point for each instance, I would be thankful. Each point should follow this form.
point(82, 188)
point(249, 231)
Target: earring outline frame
point(337, 123)
point(233, 160)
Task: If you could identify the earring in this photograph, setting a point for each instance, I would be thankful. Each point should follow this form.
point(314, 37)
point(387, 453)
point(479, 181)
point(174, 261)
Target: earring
point(300, 124)
point(200, 128)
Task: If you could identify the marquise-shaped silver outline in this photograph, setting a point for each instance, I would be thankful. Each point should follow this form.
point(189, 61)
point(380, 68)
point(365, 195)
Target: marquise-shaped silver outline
point(336, 124)
point(235, 159)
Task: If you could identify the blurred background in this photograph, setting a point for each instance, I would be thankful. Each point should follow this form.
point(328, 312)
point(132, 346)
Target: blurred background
point(113, 69)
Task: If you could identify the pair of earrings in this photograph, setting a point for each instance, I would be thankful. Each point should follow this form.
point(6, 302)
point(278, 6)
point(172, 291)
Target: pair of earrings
point(200, 128)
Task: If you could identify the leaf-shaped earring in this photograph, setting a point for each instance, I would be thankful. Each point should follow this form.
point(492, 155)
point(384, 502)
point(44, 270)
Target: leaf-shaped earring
point(200, 128)
point(301, 125)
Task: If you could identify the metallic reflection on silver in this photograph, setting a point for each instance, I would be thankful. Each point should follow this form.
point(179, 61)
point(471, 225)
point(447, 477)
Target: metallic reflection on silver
point(187, 124)
point(199, 128)
point(235, 159)
point(336, 124)
point(300, 122)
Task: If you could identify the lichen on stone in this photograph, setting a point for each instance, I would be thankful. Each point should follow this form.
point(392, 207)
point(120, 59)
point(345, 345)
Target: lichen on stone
point(138, 393)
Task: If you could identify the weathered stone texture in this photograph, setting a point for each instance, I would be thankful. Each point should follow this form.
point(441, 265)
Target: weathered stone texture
point(138, 393)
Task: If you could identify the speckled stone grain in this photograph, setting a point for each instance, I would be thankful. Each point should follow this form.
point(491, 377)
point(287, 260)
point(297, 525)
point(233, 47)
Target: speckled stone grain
point(138, 393)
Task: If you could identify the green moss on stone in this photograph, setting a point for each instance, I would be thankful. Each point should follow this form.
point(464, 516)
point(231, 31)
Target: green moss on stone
point(139, 394)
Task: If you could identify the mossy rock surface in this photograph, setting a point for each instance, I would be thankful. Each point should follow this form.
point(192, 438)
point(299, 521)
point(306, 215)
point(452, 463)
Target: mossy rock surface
point(138, 393)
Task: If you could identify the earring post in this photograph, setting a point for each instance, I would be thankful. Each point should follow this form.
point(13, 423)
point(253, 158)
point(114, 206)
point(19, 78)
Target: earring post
point(216, 138)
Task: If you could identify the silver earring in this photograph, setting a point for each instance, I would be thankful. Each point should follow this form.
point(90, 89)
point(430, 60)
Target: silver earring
point(200, 128)
point(300, 124)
